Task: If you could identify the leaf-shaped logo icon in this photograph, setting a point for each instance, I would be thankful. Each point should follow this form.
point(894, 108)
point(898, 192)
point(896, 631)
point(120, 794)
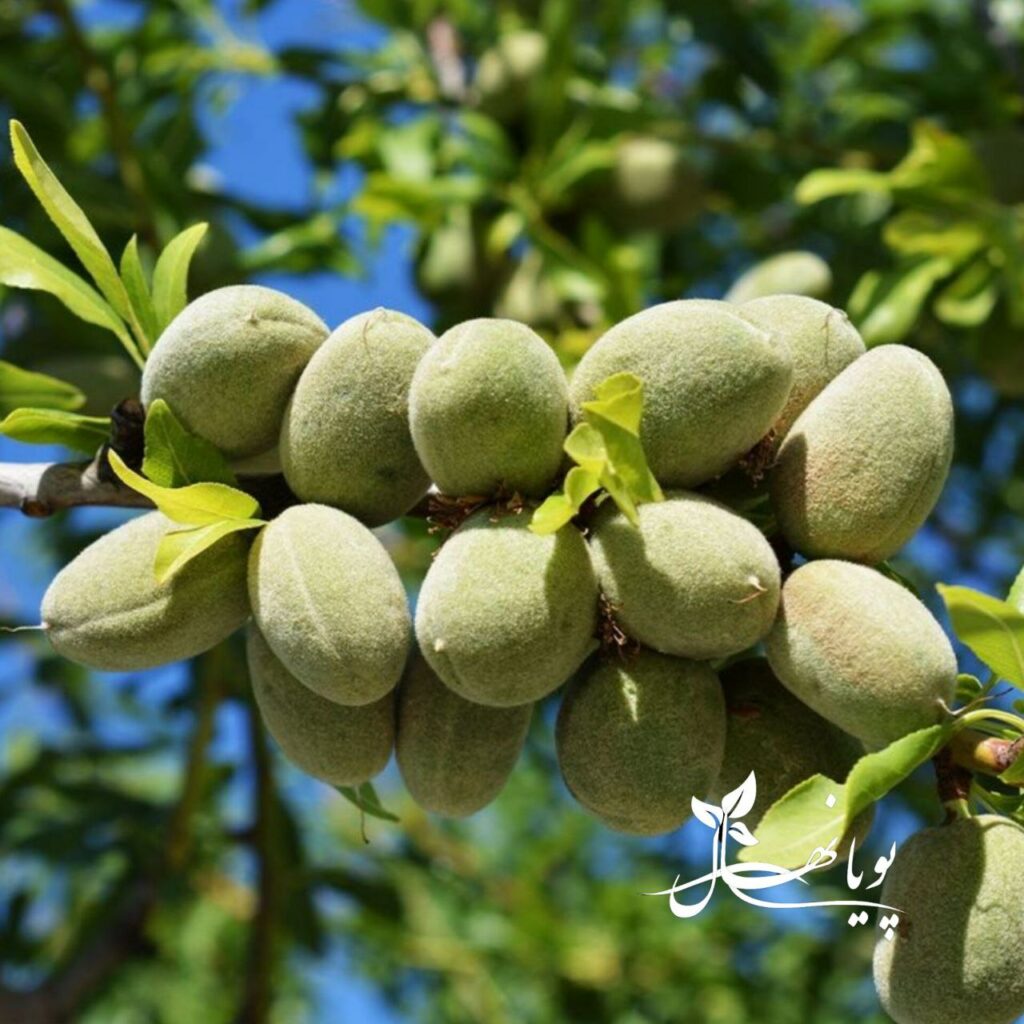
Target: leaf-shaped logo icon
point(741, 834)
point(737, 803)
point(708, 814)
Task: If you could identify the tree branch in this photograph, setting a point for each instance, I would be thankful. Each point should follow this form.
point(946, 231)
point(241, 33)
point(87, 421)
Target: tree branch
point(41, 488)
point(257, 994)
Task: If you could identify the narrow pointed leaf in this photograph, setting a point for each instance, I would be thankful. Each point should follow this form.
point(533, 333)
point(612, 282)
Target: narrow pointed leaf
point(56, 426)
point(134, 278)
point(170, 276)
point(69, 218)
point(24, 265)
point(193, 505)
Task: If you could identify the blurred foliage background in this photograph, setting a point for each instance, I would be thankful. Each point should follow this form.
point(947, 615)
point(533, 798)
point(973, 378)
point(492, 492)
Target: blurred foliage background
point(563, 163)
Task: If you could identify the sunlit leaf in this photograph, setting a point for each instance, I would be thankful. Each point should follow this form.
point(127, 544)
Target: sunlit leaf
point(70, 219)
point(178, 547)
point(993, 629)
point(819, 811)
point(193, 505)
point(24, 265)
point(170, 276)
point(134, 279)
point(885, 305)
point(56, 426)
point(175, 457)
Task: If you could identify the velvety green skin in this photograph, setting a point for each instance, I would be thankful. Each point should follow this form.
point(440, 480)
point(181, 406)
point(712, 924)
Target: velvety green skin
point(455, 756)
point(788, 273)
point(955, 958)
point(713, 384)
point(694, 579)
point(864, 463)
point(345, 440)
point(329, 602)
point(771, 733)
point(638, 738)
point(228, 362)
point(861, 650)
point(488, 409)
point(343, 746)
point(820, 338)
point(106, 610)
point(506, 616)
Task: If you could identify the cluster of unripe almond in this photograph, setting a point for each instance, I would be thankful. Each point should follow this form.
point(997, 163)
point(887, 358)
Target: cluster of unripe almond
point(365, 420)
point(653, 626)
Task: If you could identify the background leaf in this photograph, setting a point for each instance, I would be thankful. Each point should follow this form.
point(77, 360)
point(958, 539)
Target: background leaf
point(20, 387)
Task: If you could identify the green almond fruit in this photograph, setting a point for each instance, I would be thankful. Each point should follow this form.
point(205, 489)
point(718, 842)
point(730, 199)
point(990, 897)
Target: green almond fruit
point(693, 579)
point(505, 615)
point(455, 756)
point(106, 610)
point(787, 273)
point(862, 651)
point(820, 338)
point(953, 956)
point(342, 746)
point(345, 440)
point(863, 465)
point(638, 738)
point(714, 384)
point(330, 604)
point(489, 410)
point(228, 362)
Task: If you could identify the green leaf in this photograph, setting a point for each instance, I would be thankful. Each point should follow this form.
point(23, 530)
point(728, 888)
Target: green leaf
point(193, 505)
point(1015, 596)
point(824, 184)
point(365, 798)
point(877, 773)
point(70, 219)
point(968, 300)
point(917, 233)
point(939, 160)
point(885, 305)
point(886, 569)
point(170, 276)
point(175, 458)
point(993, 629)
point(559, 508)
point(608, 453)
point(1014, 775)
point(134, 279)
point(802, 820)
point(57, 426)
point(179, 547)
point(24, 265)
point(20, 388)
